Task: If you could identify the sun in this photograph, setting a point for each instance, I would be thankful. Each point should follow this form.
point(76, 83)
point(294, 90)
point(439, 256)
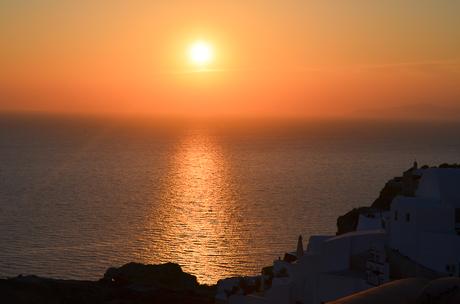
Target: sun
point(201, 53)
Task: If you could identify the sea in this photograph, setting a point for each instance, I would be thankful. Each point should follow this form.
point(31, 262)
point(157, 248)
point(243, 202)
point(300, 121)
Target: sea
point(221, 198)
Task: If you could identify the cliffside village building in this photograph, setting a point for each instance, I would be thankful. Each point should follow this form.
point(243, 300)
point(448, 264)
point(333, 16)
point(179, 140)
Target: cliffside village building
point(417, 236)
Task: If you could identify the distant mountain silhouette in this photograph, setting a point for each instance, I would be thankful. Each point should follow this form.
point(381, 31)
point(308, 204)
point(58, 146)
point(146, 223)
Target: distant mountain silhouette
point(414, 111)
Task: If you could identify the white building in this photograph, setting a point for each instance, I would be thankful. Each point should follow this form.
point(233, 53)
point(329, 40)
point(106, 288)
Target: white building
point(372, 221)
point(423, 225)
point(330, 268)
point(425, 228)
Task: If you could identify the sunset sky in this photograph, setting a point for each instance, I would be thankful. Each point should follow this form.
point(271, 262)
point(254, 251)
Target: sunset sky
point(269, 58)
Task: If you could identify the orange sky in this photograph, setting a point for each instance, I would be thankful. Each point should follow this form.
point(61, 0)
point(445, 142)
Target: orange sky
point(272, 58)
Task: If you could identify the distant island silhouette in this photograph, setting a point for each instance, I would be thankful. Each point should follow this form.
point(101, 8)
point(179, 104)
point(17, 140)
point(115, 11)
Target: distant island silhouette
point(412, 111)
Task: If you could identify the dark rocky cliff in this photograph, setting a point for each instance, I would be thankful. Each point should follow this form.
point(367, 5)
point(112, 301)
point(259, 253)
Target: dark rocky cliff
point(131, 283)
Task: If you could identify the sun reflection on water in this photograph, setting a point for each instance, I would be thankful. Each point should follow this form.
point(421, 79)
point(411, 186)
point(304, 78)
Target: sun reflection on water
point(196, 216)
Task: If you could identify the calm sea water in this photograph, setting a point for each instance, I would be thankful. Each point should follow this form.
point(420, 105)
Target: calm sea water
point(78, 195)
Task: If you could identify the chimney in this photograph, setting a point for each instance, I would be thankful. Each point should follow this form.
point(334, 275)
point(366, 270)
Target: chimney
point(299, 247)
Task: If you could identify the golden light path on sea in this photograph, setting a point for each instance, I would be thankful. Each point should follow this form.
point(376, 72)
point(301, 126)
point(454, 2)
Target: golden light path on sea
point(198, 213)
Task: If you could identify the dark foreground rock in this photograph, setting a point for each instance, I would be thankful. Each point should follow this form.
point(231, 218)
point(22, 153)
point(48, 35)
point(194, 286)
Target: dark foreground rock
point(131, 283)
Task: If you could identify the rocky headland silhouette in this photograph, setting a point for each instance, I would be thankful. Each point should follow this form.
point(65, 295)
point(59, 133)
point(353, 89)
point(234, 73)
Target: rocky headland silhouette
point(130, 283)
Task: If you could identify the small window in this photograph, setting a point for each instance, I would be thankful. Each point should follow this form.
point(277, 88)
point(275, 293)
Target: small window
point(396, 215)
point(407, 217)
point(457, 215)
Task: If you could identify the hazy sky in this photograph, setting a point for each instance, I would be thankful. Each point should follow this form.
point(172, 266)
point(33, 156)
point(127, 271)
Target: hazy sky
point(303, 58)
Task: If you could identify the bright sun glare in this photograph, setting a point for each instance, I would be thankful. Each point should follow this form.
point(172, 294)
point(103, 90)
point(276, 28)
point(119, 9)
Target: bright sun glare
point(201, 53)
